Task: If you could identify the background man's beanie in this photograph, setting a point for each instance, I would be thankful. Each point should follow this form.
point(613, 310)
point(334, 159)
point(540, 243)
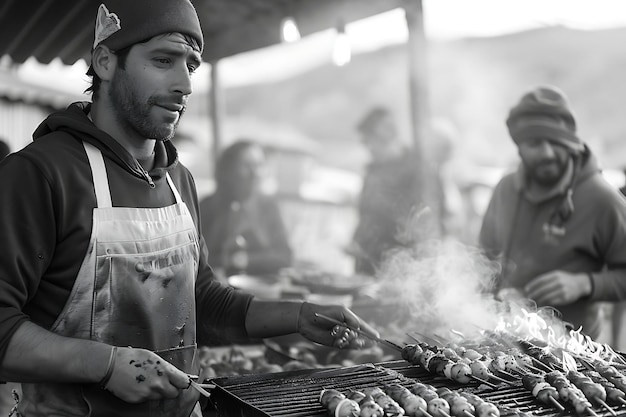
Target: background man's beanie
point(544, 112)
point(122, 23)
point(373, 117)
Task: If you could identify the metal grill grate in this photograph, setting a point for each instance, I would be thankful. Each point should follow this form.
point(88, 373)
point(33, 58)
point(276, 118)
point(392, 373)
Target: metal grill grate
point(297, 393)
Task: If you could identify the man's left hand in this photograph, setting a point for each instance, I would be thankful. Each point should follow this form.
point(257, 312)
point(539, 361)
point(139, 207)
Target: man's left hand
point(337, 332)
point(558, 288)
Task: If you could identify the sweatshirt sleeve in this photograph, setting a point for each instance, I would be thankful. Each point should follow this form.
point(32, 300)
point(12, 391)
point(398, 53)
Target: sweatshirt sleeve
point(27, 239)
point(221, 312)
point(609, 284)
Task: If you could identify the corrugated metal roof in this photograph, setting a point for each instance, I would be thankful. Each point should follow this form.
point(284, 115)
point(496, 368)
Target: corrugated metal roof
point(47, 29)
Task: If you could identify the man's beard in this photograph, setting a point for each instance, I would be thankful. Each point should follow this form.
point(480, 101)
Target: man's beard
point(134, 113)
point(547, 173)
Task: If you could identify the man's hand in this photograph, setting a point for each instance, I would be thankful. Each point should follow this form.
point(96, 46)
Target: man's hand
point(335, 332)
point(558, 288)
point(140, 375)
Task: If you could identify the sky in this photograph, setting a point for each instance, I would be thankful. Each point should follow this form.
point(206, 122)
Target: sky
point(443, 20)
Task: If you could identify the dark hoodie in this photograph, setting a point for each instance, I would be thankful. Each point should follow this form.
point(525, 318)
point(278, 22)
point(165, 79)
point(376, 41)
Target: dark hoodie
point(47, 197)
point(530, 240)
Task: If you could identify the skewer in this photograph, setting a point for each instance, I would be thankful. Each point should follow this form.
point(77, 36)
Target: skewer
point(583, 361)
point(622, 401)
point(532, 368)
point(441, 338)
point(590, 411)
point(483, 381)
point(199, 388)
point(392, 344)
point(432, 339)
point(415, 339)
point(458, 333)
point(426, 413)
point(506, 381)
point(545, 367)
point(605, 405)
point(556, 404)
point(509, 374)
point(361, 332)
point(467, 413)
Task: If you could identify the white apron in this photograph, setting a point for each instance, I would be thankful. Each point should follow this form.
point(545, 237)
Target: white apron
point(135, 287)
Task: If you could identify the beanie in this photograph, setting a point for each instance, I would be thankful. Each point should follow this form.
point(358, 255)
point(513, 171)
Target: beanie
point(372, 118)
point(544, 112)
point(122, 23)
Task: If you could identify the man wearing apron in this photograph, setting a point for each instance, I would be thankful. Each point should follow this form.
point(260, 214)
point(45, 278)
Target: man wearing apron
point(105, 289)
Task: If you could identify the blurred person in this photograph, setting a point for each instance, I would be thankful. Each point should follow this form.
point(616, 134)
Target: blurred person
point(556, 225)
point(241, 224)
point(105, 286)
point(452, 210)
point(389, 191)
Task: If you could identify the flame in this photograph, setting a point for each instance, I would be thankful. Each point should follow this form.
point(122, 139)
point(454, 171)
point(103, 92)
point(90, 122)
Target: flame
point(569, 363)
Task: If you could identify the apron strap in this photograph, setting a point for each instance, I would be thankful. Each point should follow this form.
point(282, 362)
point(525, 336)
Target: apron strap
point(174, 189)
point(101, 181)
point(99, 173)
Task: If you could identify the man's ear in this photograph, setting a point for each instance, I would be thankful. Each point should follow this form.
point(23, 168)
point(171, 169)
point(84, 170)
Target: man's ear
point(104, 62)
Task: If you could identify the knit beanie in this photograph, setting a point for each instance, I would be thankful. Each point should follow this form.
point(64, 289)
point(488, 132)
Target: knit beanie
point(544, 112)
point(122, 23)
point(372, 118)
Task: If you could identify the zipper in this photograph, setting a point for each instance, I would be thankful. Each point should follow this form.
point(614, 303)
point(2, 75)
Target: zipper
point(146, 176)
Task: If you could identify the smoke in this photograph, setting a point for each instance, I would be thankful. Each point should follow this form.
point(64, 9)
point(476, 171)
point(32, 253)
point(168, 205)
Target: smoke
point(440, 286)
point(444, 289)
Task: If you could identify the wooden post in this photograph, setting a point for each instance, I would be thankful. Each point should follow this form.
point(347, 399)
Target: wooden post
point(417, 53)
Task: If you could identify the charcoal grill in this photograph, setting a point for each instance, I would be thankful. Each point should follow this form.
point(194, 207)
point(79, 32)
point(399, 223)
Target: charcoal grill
point(296, 393)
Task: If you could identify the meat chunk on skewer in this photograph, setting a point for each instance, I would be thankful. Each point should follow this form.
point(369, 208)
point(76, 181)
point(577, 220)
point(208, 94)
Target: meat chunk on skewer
point(338, 405)
point(569, 393)
point(412, 404)
point(614, 395)
point(482, 407)
point(542, 390)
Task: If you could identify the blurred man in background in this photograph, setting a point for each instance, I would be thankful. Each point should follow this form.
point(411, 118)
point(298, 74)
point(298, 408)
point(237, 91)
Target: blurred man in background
point(557, 227)
point(389, 192)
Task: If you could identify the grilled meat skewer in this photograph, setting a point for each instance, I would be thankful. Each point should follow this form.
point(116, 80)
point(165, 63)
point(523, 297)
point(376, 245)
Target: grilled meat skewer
point(593, 391)
point(482, 407)
point(437, 407)
point(389, 405)
point(542, 390)
point(338, 405)
point(412, 404)
point(614, 395)
point(569, 393)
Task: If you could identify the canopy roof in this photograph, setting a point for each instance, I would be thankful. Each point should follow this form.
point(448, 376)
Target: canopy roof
point(47, 29)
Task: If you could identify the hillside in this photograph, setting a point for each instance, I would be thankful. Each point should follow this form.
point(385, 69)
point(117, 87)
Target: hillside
point(473, 83)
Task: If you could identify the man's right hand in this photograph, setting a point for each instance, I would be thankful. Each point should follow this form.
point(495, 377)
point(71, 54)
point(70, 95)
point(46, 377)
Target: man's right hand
point(140, 375)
